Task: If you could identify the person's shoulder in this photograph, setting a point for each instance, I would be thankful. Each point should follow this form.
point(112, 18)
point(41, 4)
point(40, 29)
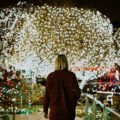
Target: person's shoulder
point(51, 74)
point(70, 72)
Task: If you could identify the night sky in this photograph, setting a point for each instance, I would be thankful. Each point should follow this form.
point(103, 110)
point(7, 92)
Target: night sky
point(110, 8)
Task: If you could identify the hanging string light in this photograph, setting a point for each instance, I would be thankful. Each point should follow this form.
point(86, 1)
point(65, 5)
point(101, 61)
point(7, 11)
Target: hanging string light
point(40, 33)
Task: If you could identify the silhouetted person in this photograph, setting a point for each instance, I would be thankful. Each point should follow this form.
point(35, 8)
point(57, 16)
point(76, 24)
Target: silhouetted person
point(62, 92)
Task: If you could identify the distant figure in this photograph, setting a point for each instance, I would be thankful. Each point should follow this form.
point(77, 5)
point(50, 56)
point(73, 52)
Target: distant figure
point(114, 76)
point(62, 92)
point(117, 72)
point(18, 76)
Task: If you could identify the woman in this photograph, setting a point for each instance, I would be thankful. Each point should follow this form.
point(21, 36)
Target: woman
point(62, 92)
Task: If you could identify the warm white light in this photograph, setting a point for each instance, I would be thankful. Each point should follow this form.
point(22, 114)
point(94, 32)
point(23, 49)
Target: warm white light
point(40, 33)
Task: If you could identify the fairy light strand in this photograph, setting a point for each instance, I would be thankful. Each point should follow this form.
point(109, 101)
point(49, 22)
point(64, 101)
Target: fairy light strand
point(40, 33)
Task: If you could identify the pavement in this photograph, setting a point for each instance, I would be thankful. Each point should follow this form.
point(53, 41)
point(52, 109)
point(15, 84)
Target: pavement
point(34, 116)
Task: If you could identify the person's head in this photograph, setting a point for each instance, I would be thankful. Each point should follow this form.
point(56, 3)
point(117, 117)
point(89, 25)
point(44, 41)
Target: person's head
point(117, 67)
point(61, 62)
point(18, 73)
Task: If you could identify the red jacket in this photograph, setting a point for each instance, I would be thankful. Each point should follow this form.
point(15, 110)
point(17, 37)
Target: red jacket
point(62, 93)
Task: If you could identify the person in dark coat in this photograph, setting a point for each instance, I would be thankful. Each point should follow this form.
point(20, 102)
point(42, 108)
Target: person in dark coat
point(62, 92)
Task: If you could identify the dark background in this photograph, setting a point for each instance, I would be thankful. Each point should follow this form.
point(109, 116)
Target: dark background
point(110, 8)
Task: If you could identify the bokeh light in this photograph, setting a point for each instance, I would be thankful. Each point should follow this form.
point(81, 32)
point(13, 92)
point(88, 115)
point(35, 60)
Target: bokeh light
point(33, 36)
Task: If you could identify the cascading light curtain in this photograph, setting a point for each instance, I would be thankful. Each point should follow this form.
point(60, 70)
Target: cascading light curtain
point(33, 36)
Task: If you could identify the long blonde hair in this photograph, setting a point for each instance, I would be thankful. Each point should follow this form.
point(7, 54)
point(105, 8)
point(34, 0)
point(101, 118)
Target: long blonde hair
point(61, 62)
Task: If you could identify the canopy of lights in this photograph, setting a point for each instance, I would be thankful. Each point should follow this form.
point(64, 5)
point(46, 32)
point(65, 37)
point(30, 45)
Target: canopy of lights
point(32, 36)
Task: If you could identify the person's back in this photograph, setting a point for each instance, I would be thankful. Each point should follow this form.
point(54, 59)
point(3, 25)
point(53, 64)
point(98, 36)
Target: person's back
point(62, 93)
